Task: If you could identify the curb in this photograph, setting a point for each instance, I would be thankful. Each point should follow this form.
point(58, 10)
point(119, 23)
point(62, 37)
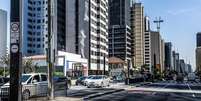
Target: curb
point(101, 94)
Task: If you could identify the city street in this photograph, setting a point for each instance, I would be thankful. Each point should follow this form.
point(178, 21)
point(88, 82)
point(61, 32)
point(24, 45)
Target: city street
point(161, 91)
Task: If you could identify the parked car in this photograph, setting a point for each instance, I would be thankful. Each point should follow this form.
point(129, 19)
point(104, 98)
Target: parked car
point(80, 80)
point(99, 81)
point(61, 83)
point(33, 84)
point(88, 79)
point(3, 80)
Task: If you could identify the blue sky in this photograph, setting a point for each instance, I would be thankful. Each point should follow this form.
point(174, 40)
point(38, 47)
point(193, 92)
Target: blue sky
point(182, 22)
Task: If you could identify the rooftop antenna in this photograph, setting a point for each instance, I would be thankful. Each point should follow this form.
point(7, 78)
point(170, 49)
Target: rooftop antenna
point(158, 22)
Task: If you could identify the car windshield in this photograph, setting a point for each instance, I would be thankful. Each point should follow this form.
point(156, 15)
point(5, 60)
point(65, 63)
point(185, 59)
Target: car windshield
point(24, 78)
point(89, 77)
point(97, 77)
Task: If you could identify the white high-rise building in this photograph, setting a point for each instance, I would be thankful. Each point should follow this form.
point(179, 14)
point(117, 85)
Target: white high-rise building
point(147, 43)
point(87, 32)
point(3, 33)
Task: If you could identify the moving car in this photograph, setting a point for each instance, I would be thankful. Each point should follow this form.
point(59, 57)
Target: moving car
point(180, 78)
point(99, 81)
point(191, 77)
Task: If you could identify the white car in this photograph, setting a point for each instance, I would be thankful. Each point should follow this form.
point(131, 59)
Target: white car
point(32, 84)
point(99, 81)
point(88, 79)
point(191, 77)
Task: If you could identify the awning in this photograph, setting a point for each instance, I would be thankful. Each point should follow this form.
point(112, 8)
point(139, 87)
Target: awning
point(115, 60)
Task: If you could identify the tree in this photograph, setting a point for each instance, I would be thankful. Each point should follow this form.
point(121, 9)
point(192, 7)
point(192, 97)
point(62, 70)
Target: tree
point(28, 66)
point(5, 60)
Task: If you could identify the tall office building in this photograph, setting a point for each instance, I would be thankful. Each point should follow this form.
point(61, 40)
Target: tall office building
point(87, 32)
point(174, 60)
point(177, 63)
point(162, 54)
point(198, 52)
point(198, 59)
point(198, 39)
point(3, 33)
point(156, 50)
point(189, 68)
point(137, 26)
point(147, 42)
point(119, 30)
point(168, 56)
point(35, 26)
point(182, 66)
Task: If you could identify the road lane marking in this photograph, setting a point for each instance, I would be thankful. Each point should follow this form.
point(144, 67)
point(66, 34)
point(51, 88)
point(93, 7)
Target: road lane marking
point(161, 88)
point(191, 90)
point(166, 90)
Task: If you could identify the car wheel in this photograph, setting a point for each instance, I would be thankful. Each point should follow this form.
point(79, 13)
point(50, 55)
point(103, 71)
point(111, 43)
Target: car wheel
point(102, 85)
point(108, 85)
point(26, 95)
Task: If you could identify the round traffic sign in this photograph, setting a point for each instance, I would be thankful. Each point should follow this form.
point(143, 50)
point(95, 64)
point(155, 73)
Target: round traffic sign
point(14, 48)
point(15, 27)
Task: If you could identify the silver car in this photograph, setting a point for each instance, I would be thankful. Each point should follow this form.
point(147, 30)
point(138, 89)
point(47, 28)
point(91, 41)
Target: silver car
point(34, 84)
point(99, 81)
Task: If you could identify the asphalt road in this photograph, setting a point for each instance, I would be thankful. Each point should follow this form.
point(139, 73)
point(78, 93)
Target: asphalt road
point(179, 92)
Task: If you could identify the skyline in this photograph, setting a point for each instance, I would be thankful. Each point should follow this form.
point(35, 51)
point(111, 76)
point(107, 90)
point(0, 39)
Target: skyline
point(175, 26)
point(174, 15)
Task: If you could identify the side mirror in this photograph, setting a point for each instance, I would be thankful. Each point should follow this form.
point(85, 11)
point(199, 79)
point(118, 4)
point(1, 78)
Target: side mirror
point(34, 81)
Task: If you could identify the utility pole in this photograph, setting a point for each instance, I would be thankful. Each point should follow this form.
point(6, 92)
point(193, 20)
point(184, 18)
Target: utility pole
point(104, 63)
point(15, 51)
point(158, 22)
point(49, 52)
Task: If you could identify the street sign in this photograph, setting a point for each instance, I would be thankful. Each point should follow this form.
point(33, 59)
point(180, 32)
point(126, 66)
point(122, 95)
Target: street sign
point(14, 48)
point(15, 27)
point(15, 32)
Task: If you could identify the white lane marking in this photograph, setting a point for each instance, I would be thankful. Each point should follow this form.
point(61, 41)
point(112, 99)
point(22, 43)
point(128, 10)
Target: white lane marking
point(161, 88)
point(191, 90)
point(165, 90)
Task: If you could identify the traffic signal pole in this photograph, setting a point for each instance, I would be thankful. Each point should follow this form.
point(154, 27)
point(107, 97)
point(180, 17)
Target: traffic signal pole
point(15, 51)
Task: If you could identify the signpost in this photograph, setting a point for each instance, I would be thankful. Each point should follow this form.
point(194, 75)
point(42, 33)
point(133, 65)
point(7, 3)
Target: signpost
point(15, 51)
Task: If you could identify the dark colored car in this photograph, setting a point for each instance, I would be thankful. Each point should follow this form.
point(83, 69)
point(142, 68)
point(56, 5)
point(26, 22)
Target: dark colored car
point(180, 78)
point(3, 80)
point(80, 80)
point(61, 83)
